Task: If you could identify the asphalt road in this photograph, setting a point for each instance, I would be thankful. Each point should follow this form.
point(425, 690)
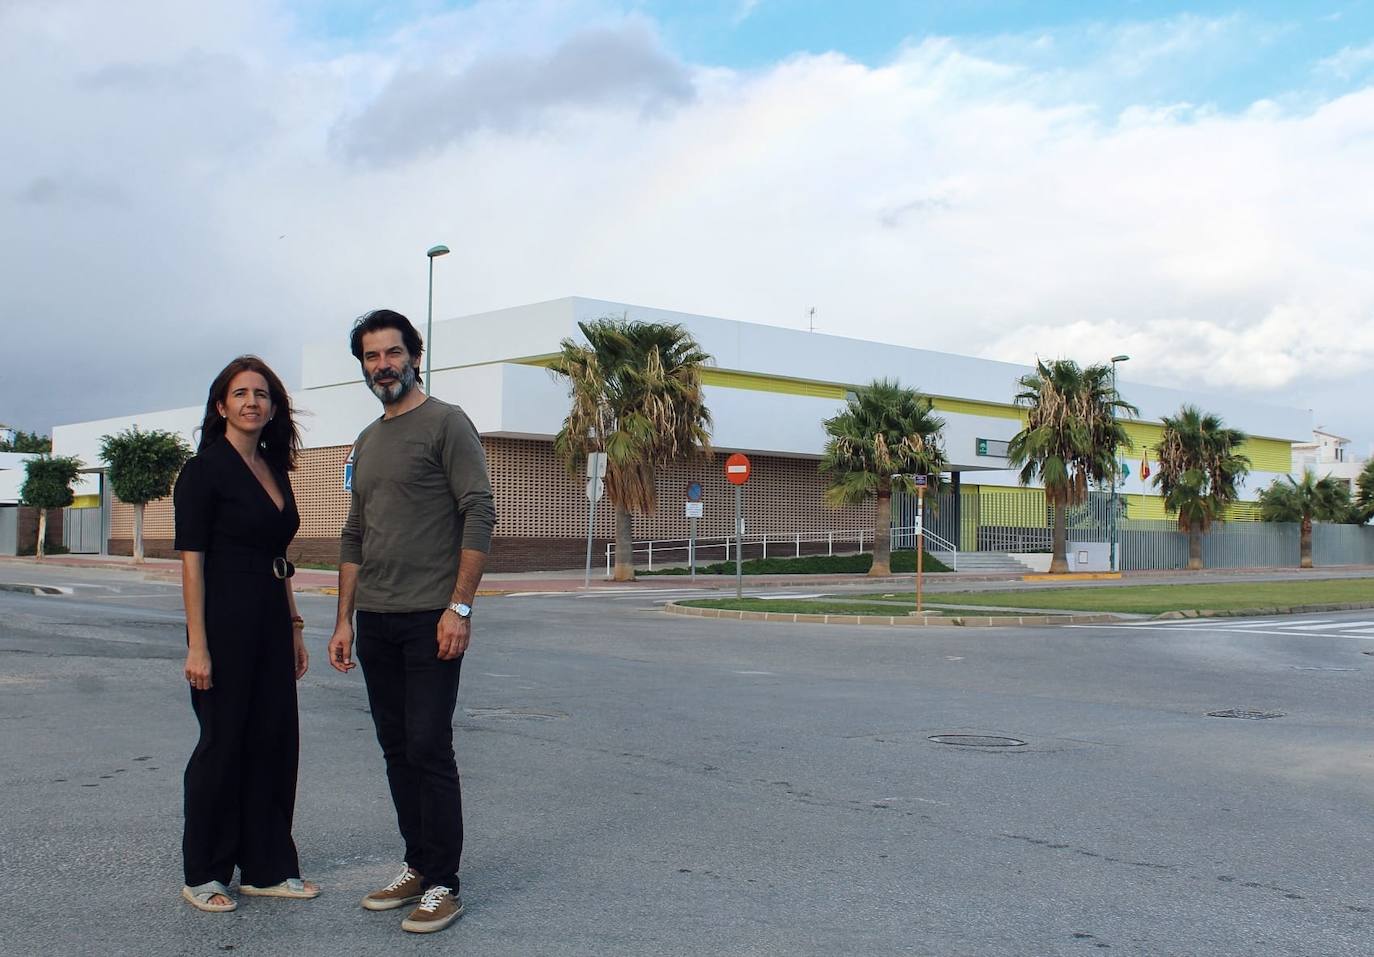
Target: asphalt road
point(637, 783)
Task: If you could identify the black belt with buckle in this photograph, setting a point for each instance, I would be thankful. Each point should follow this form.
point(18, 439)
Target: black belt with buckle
point(252, 563)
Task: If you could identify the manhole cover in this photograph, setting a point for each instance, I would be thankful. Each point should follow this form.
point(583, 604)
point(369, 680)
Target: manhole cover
point(1248, 715)
point(527, 714)
point(977, 740)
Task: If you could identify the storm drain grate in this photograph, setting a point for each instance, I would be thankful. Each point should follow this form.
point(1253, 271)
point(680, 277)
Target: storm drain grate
point(1247, 715)
point(977, 740)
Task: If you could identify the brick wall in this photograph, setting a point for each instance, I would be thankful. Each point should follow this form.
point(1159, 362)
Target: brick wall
point(28, 528)
point(541, 511)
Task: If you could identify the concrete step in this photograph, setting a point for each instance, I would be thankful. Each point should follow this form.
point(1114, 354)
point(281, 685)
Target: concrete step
point(990, 562)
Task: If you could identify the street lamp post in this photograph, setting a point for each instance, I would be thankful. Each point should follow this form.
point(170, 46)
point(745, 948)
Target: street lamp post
point(1111, 509)
point(434, 252)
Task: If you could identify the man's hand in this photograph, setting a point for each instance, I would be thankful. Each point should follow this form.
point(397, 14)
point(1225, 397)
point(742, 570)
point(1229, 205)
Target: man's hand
point(341, 649)
point(452, 635)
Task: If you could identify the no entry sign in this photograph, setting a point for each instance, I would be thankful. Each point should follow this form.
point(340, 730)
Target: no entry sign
point(737, 469)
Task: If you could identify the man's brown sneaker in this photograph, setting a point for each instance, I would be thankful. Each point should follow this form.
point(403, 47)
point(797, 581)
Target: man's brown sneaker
point(405, 889)
point(438, 908)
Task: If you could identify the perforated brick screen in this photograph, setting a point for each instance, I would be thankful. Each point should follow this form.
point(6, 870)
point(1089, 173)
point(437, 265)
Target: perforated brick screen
point(536, 498)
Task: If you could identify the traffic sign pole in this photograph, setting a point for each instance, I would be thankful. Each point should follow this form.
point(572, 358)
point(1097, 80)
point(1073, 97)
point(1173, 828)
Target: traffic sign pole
point(591, 516)
point(920, 541)
point(596, 468)
point(739, 545)
point(693, 513)
point(737, 473)
point(692, 550)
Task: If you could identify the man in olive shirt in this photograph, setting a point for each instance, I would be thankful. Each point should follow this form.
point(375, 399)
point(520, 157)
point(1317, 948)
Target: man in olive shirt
point(412, 553)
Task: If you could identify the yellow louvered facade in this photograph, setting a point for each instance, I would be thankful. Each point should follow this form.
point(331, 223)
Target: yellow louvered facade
point(726, 379)
point(1266, 455)
point(1145, 507)
point(972, 407)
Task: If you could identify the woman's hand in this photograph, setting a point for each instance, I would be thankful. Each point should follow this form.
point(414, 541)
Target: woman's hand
point(302, 656)
point(198, 669)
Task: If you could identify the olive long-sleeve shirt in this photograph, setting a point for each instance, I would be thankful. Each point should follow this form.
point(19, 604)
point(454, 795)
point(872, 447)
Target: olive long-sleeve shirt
point(420, 494)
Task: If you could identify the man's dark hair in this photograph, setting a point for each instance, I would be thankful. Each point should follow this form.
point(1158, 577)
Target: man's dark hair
point(379, 319)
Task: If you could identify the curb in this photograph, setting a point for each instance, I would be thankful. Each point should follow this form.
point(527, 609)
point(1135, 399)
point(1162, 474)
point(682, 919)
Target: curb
point(1071, 577)
point(906, 621)
point(1260, 612)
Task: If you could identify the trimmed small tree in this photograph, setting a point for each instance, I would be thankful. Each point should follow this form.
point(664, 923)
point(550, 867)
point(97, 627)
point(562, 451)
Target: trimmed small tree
point(142, 468)
point(48, 484)
point(28, 442)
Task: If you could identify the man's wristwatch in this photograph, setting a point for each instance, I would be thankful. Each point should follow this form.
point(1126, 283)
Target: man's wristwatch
point(460, 609)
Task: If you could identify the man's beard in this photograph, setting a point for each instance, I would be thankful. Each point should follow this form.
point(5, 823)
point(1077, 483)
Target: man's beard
point(390, 389)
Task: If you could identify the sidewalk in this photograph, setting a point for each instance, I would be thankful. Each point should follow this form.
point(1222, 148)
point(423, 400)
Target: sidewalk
point(570, 580)
point(500, 583)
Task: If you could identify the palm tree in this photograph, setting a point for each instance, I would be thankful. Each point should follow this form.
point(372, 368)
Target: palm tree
point(636, 395)
point(1199, 471)
point(1071, 436)
point(1288, 500)
point(885, 435)
point(1364, 496)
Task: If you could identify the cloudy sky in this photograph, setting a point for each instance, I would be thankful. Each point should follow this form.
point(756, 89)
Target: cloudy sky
point(1186, 183)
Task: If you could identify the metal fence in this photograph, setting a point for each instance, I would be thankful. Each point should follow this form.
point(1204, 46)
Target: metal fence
point(1019, 520)
point(81, 530)
point(1160, 545)
point(1004, 520)
point(1343, 544)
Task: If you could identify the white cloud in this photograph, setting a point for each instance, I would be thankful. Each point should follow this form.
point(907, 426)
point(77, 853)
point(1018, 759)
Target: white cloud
point(744, 10)
point(176, 201)
point(1348, 63)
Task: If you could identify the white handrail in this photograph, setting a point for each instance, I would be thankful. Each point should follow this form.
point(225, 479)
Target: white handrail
point(932, 543)
point(859, 537)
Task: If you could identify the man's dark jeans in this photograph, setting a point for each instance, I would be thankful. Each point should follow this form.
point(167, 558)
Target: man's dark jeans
point(412, 695)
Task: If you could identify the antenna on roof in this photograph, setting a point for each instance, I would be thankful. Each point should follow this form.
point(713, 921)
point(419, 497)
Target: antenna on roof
point(811, 319)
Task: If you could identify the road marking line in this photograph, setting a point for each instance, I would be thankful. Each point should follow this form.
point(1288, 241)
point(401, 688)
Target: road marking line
point(1333, 625)
point(1238, 631)
point(1223, 623)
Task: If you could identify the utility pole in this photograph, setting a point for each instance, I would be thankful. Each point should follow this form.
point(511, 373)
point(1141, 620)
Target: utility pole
point(1111, 507)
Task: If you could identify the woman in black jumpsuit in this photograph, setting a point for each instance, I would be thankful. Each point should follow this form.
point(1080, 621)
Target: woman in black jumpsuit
point(235, 517)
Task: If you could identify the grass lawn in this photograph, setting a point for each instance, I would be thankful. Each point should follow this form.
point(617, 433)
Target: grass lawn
point(903, 562)
point(802, 606)
point(1154, 599)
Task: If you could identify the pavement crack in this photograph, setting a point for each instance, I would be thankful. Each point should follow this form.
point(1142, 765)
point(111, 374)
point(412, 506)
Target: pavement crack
point(1084, 852)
